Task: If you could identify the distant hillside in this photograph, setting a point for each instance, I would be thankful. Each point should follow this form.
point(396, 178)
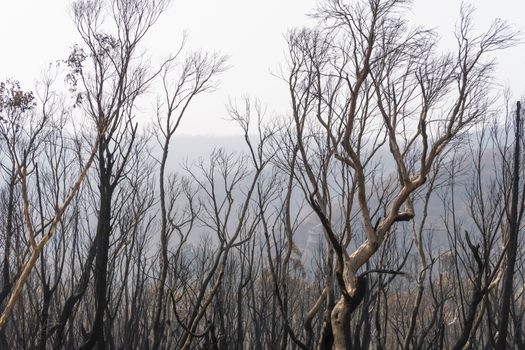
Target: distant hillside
point(189, 149)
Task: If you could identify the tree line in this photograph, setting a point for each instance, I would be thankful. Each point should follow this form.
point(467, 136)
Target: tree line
point(397, 155)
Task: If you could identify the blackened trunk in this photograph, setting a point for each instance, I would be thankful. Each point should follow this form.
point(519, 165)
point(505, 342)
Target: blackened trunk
point(6, 268)
point(101, 267)
point(44, 315)
point(6, 278)
point(102, 240)
point(508, 276)
point(72, 300)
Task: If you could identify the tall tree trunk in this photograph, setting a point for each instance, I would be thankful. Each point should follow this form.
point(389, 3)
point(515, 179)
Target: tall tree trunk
point(158, 324)
point(101, 266)
point(6, 267)
point(42, 339)
point(512, 243)
point(102, 236)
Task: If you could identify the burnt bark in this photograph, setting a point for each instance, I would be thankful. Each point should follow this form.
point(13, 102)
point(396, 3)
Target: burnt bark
point(512, 243)
point(102, 239)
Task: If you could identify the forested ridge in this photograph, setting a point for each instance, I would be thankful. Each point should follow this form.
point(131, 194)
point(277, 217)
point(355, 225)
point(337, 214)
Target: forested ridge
point(383, 210)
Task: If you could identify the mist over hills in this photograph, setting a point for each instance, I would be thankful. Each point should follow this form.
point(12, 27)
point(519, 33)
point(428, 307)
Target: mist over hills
point(188, 149)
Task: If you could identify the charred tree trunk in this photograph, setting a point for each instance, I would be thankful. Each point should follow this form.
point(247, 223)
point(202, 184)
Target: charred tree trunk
point(477, 296)
point(102, 239)
point(158, 323)
point(44, 315)
point(6, 267)
point(72, 301)
point(512, 243)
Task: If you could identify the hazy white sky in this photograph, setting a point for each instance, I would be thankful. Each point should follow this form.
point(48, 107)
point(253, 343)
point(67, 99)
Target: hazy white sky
point(34, 33)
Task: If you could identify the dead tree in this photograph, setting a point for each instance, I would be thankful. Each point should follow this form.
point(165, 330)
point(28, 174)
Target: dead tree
point(371, 85)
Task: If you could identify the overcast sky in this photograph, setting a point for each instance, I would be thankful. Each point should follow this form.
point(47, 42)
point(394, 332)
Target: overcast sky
point(35, 32)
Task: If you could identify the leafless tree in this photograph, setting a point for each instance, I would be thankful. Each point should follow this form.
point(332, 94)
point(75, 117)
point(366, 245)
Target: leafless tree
point(369, 87)
point(195, 76)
